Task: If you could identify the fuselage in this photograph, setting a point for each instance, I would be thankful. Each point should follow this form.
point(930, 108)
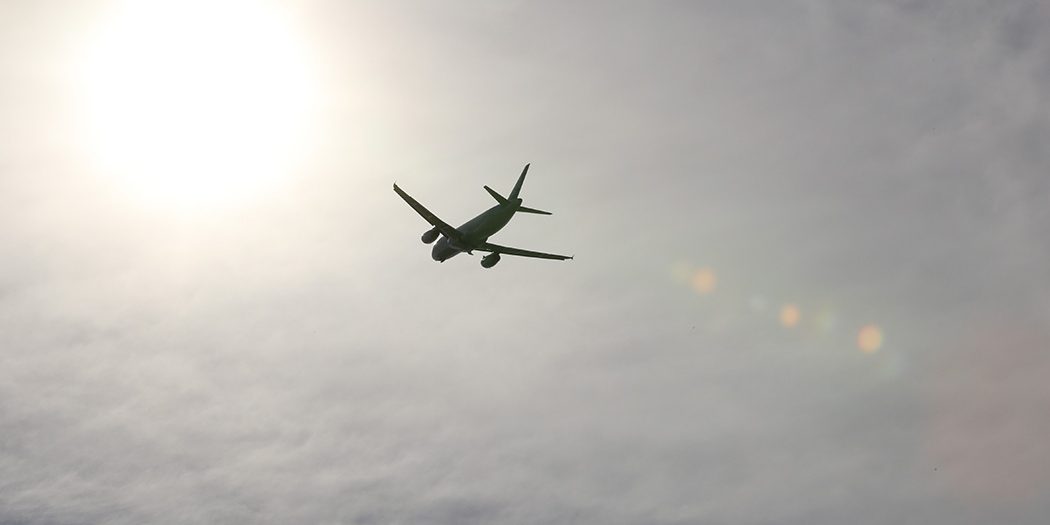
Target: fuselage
point(476, 230)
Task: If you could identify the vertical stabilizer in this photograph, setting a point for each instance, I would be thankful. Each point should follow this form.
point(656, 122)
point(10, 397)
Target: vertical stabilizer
point(517, 186)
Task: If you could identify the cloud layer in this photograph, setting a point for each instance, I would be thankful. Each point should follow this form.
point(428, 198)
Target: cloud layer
point(301, 359)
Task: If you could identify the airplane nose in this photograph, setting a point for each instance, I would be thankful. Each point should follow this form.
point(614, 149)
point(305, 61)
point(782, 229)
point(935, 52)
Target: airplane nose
point(441, 250)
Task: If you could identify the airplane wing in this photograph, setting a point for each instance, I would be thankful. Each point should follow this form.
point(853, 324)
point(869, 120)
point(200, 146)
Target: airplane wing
point(495, 248)
point(442, 226)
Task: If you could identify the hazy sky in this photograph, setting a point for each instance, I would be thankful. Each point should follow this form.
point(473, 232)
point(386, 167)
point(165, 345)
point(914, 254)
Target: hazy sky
point(289, 353)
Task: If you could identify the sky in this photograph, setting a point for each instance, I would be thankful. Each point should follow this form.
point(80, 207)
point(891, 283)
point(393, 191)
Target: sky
point(810, 284)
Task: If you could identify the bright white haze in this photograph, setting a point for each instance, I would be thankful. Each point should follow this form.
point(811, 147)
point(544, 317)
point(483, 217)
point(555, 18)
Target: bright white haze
point(196, 103)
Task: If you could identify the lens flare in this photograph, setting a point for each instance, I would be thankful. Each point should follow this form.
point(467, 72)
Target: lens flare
point(869, 339)
point(790, 315)
point(824, 321)
point(704, 281)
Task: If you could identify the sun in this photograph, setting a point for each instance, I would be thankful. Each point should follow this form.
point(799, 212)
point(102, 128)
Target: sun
point(194, 103)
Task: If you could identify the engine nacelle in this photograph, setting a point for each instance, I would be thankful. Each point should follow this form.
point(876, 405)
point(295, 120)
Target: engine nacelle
point(430, 236)
point(489, 260)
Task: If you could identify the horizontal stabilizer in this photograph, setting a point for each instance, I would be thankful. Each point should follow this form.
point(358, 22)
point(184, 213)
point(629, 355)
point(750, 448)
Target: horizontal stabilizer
point(499, 198)
point(523, 209)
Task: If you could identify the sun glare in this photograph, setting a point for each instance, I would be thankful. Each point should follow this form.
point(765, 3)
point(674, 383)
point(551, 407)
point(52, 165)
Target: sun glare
point(197, 103)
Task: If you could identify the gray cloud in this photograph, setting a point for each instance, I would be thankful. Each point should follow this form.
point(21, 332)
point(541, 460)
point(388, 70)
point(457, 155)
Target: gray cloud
point(302, 360)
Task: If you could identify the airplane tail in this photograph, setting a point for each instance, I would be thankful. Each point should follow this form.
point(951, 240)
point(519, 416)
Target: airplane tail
point(523, 209)
point(514, 195)
point(517, 186)
point(499, 198)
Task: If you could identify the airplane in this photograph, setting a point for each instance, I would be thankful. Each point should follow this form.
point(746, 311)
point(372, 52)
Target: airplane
point(474, 234)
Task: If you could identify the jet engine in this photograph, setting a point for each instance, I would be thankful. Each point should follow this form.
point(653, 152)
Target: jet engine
point(430, 236)
point(489, 260)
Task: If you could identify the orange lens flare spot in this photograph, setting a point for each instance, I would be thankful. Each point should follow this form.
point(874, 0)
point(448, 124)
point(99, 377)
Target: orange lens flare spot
point(790, 315)
point(704, 281)
point(869, 339)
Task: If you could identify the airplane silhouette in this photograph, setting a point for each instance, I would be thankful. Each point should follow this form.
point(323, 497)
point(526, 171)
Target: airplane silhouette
point(474, 234)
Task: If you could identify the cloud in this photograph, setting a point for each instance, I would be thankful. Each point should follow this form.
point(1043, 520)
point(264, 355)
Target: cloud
point(302, 360)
